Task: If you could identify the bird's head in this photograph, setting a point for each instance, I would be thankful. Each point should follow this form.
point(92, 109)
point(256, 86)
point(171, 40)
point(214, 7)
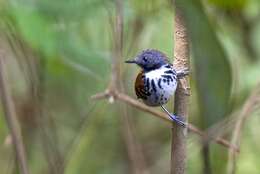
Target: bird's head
point(149, 59)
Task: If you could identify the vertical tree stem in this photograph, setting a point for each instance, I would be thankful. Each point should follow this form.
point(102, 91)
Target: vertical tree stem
point(118, 46)
point(11, 119)
point(133, 147)
point(181, 61)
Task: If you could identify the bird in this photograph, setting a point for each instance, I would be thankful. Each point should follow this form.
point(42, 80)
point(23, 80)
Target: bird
point(157, 81)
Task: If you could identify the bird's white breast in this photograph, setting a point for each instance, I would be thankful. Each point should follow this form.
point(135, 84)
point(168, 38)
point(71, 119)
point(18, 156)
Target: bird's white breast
point(162, 85)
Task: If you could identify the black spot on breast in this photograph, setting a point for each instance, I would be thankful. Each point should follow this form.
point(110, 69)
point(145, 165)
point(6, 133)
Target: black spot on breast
point(153, 85)
point(167, 77)
point(161, 98)
point(169, 72)
point(147, 84)
point(145, 92)
point(175, 77)
point(167, 66)
point(159, 83)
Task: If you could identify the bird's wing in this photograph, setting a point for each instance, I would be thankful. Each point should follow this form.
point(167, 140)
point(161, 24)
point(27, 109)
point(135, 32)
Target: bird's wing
point(140, 90)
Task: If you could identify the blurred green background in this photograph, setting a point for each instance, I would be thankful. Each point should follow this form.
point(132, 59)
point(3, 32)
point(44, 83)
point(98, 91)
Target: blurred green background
point(59, 54)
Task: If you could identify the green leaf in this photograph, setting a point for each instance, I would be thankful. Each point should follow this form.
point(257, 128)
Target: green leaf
point(212, 68)
point(230, 4)
point(35, 29)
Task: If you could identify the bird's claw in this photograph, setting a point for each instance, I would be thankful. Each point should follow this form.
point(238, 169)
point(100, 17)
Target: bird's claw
point(182, 73)
point(179, 120)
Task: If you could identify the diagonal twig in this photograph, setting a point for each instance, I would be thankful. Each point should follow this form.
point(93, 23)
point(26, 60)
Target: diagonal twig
point(246, 111)
point(136, 104)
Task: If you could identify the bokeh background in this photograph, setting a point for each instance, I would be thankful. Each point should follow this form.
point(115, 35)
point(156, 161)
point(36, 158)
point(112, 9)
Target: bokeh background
point(58, 54)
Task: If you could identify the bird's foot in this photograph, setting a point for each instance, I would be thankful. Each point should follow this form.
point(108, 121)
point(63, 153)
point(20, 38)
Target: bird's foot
point(179, 120)
point(182, 73)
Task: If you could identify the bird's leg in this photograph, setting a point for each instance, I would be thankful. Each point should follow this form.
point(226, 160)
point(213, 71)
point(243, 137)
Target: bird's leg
point(182, 73)
point(179, 120)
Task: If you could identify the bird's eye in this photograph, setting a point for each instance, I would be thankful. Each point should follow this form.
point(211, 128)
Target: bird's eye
point(145, 59)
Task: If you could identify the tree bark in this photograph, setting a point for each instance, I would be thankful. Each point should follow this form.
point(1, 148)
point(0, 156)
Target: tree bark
point(181, 61)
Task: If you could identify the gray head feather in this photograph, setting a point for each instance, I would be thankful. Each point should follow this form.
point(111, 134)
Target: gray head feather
point(150, 59)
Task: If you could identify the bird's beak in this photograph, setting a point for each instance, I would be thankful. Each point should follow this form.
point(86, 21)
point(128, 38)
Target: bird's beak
point(130, 61)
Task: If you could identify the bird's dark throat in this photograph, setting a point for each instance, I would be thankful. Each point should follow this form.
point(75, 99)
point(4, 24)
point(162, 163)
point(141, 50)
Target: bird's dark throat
point(147, 69)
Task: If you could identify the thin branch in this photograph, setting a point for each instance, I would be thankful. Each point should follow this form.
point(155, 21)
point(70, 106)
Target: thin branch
point(136, 104)
point(101, 95)
point(11, 118)
point(248, 108)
